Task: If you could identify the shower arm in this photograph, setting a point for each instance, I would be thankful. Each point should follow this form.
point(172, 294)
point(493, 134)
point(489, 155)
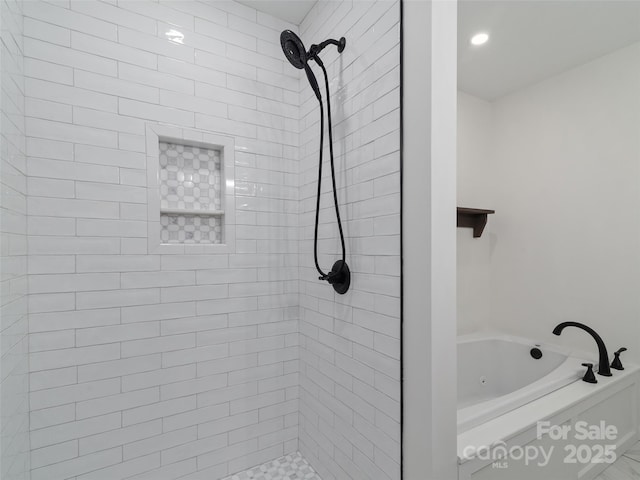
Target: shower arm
point(316, 49)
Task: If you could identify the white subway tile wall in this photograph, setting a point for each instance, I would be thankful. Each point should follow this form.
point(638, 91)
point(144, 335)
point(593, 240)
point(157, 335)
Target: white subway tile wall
point(350, 345)
point(149, 365)
point(171, 364)
point(14, 381)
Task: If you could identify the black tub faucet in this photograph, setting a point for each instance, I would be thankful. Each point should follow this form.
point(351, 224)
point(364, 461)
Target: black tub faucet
point(603, 363)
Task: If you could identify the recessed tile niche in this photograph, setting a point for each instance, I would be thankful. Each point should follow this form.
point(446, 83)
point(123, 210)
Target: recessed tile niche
point(190, 194)
point(190, 191)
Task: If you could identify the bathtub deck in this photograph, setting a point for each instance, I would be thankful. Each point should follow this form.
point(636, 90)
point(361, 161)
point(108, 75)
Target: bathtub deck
point(627, 467)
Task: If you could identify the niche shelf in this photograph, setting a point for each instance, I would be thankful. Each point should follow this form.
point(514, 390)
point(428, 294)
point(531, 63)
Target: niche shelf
point(475, 218)
point(191, 210)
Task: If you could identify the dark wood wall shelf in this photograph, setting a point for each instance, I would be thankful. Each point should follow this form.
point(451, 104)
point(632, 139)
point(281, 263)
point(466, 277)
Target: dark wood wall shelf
point(475, 218)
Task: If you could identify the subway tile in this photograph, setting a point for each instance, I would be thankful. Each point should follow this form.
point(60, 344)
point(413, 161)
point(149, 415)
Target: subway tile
point(221, 32)
point(158, 344)
point(48, 417)
point(159, 442)
point(47, 110)
point(158, 377)
point(111, 228)
point(158, 79)
point(192, 103)
point(160, 12)
point(107, 121)
point(73, 393)
point(48, 321)
point(156, 45)
point(227, 424)
point(124, 469)
point(50, 187)
point(113, 50)
point(115, 403)
point(158, 312)
point(64, 57)
point(134, 143)
point(148, 111)
point(116, 333)
point(226, 64)
point(195, 417)
point(230, 305)
point(158, 410)
point(72, 245)
point(196, 447)
point(195, 386)
point(117, 298)
point(42, 457)
point(72, 95)
point(66, 18)
point(118, 263)
point(195, 355)
point(110, 192)
point(118, 367)
point(114, 14)
point(78, 466)
point(115, 86)
point(72, 282)
point(191, 262)
point(51, 302)
point(52, 72)
point(188, 293)
point(223, 364)
point(63, 170)
point(193, 324)
point(70, 133)
point(157, 279)
point(51, 226)
point(174, 470)
point(52, 378)
point(191, 73)
point(73, 356)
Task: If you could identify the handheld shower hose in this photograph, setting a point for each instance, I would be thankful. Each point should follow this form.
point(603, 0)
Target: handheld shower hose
point(339, 276)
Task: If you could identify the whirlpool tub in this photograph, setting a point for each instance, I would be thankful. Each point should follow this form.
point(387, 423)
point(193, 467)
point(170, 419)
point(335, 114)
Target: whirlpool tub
point(497, 373)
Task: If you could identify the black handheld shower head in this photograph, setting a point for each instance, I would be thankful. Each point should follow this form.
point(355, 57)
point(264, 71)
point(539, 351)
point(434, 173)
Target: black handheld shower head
point(295, 52)
point(339, 276)
point(293, 49)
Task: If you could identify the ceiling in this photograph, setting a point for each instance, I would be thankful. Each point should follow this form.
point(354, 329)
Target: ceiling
point(530, 39)
point(292, 11)
point(533, 40)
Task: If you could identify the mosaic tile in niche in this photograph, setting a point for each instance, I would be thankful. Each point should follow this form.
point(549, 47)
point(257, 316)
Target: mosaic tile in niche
point(190, 177)
point(190, 228)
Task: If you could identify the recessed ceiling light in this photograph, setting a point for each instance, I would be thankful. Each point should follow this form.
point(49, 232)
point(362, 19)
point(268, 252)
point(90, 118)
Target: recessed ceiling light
point(480, 39)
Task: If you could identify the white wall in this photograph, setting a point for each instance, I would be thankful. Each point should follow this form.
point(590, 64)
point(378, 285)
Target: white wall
point(350, 344)
point(14, 382)
point(564, 176)
point(167, 365)
point(475, 190)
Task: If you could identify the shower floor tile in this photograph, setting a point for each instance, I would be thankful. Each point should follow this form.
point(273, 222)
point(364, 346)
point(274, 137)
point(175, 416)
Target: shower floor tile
point(289, 467)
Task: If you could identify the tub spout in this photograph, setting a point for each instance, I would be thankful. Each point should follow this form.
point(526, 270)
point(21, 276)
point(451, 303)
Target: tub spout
point(603, 363)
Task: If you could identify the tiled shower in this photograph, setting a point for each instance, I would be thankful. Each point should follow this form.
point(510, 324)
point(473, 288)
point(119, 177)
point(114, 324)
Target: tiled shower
point(161, 314)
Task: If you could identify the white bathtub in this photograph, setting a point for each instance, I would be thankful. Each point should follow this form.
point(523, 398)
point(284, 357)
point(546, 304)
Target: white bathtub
point(497, 374)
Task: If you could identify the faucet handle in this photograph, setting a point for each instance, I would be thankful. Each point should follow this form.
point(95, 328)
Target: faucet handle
point(617, 364)
point(589, 377)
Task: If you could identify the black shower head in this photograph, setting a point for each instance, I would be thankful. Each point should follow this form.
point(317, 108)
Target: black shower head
point(293, 49)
